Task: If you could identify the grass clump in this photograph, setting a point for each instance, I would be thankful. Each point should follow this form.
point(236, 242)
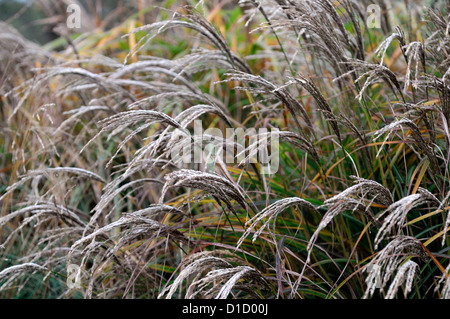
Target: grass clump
point(358, 207)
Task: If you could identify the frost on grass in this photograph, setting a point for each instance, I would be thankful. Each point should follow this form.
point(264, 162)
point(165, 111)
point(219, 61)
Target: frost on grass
point(420, 142)
point(397, 212)
point(405, 275)
point(213, 277)
point(444, 282)
point(269, 214)
point(220, 188)
point(394, 259)
point(12, 273)
point(48, 172)
point(382, 48)
point(134, 243)
point(354, 198)
point(372, 73)
point(41, 208)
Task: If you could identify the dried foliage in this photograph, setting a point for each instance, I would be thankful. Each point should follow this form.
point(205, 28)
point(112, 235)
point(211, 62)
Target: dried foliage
point(359, 198)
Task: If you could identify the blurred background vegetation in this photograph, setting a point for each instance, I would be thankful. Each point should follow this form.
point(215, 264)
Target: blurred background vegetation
point(36, 19)
point(23, 15)
point(44, 95)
